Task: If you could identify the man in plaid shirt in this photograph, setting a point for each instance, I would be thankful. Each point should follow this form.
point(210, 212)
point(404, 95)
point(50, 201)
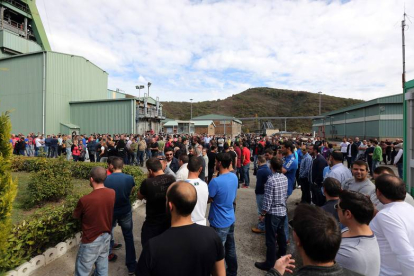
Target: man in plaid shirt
point(274, 214)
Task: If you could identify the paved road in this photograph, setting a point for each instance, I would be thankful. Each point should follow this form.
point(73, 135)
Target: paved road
point(250, 247)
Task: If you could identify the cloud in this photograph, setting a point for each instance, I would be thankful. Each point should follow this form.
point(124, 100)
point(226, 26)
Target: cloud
point(212, 49)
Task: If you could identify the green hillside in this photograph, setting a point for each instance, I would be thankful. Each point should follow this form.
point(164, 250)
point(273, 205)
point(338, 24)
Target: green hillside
point(263, 102)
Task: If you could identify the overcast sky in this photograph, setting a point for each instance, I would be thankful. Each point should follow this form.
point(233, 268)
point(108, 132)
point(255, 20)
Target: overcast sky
point(207, 50)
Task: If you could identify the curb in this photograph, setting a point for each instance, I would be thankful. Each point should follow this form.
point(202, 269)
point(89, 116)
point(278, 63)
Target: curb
point(53, 253)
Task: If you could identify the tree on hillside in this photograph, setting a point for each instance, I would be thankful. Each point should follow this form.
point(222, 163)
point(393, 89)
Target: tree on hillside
point(8, 188)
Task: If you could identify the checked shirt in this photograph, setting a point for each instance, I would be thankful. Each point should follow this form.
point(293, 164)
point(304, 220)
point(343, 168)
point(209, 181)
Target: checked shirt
point(275, 195)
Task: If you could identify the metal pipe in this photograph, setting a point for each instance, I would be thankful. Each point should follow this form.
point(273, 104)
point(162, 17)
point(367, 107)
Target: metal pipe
point(44, 95)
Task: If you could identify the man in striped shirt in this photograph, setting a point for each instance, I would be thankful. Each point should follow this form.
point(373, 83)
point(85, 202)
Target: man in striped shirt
point(274, 214)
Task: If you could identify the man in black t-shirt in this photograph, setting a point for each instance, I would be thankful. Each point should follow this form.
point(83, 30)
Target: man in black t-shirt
point(211, 162)
point(186, 248)
point(154, 189)
point(154, 148)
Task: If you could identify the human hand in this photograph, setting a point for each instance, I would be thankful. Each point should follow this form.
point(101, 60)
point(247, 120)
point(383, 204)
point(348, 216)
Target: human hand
point(285, 263)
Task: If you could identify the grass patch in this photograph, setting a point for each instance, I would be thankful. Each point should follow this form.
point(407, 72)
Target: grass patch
point(19, 212)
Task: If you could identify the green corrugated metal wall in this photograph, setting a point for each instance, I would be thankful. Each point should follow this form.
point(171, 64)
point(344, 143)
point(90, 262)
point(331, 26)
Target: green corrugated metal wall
point(21, 90)
point(16, 43)
point(70, 78)
point(104, 117)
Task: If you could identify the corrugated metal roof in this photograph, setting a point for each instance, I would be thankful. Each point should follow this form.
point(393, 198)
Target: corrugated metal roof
point(171, 123)
point(216, 117)
point(69, 125)
point(204, 123)
point(383, 100)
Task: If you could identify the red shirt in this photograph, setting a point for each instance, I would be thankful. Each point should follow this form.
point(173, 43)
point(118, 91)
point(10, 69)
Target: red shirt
point(239, 156)
point(246, 154)
point(95, 211)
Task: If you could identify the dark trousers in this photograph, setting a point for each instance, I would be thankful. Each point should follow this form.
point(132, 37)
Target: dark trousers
point(350, 160)
point(384, 158)
point(152, 230)
point(317, 197)
point(92, 156)
point(210, 174)
point(274, 226)
point(306, 191)
point(140, 157)
point(226, 236)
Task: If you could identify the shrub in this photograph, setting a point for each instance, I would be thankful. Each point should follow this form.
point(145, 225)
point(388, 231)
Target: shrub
point(44, 229)
point(51, 183)
point(8, 187)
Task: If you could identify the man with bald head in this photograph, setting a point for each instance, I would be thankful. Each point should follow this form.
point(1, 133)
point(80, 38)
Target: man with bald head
point(180, 250)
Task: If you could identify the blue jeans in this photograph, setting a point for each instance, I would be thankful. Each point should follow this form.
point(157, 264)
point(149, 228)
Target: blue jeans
point(259, 201)
point(246, 174)
point(241, 174)
point(375, 164)
point(68, 153)
point(125, 221)
point(227, 238)
point(148, 153)
point(94, 253)
point(274, 232)
point(140, 157)
point(255, 161)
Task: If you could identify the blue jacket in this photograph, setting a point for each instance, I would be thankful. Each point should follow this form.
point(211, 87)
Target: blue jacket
point(174, 166)
point(263, 173)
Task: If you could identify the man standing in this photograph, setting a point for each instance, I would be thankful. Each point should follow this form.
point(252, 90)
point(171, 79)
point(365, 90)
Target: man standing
point(68, 146)
point(304, 174)
point(95, 211)
point(238, 166)
point(153, 189)
point(123, 184)
point(377, 155)
point(274, 213)
point(290, 165)
point(154, 148)
point(246, 165)
point(263, 173)
point(351, 152)
point(199, 213)
point(172, 162)
point(92, 148)
point(182, 173)
point(338, 170)
point(344, 147)
point(394, 227)
point(359, 251)
point(361, 149)
point(222, 192)
point(318, 164)
point(331, 190)
point(359, 183)
point(185, 249)
point(211, 162)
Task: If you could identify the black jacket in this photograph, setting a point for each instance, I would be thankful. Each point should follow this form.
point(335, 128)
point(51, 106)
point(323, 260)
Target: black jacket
point(174, 166)
point(309, 270)
point(318, 164)
point(354, 150)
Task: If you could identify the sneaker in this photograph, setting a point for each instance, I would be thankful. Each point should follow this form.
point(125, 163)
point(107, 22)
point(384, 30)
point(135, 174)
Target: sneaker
point(245, 187)
point(117, 246)
point(262, 266)
point(257, 230)
point(112, 257)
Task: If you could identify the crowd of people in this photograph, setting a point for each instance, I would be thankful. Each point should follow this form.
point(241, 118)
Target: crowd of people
point(354, 216)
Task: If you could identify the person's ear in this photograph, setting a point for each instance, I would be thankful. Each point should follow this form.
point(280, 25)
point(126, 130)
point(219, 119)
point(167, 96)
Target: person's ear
point(296, 239)
point(170, 205)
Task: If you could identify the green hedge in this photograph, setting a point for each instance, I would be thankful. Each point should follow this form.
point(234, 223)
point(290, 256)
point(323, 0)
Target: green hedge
point(44, 229)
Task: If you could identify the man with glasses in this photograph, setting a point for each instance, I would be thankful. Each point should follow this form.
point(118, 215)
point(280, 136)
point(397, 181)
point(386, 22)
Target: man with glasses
point(359, 251)
point(172, 162)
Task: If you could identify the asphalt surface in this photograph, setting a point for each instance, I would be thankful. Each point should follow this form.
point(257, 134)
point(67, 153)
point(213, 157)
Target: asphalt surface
point(250, 246)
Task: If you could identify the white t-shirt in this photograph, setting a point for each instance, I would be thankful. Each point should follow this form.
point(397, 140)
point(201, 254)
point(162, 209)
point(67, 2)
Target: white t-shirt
point(199, 213)
point(394, 228)
point(344, 147)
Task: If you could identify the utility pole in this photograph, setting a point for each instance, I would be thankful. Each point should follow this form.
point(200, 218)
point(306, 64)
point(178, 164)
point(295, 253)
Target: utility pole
point(320, 102)
point(403, 48)
point(191, 116)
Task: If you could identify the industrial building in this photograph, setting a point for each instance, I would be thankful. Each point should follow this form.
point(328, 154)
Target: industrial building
point(224, 125)
point(380, 118)
point(50, 93)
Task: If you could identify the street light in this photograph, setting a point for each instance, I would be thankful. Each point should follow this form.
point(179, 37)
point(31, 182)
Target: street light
point(191, 109)
point(320, 102)
point(149, 84)
point(139, 87)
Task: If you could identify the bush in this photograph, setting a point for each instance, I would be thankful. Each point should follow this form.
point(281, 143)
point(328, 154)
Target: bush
point(8, 187)
point(46, 228)
point(51, 183)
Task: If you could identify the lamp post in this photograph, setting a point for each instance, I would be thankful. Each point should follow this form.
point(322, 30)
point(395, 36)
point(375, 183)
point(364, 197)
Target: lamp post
point(320, 102)
point(191, 104)
point(149, 84)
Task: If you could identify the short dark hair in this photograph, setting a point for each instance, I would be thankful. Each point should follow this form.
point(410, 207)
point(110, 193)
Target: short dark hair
point(382, 169)
point(391, 187)
point(358, 204)
point(110, 159)
point(315, 147)
point(332, 186)
point(276, 164)
point(226, 146)
point(194, 164)
point(318, 232)
point(183, 158)
point(337, 155)
point(270, 151)
point(168, 149)
point(213, 147)
point(98, 174)
point(184, 197)
point(261, 159)
point(360, 163)
point(225, 159)
point(118, 163)
point(289, 145)
point(154, 164)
